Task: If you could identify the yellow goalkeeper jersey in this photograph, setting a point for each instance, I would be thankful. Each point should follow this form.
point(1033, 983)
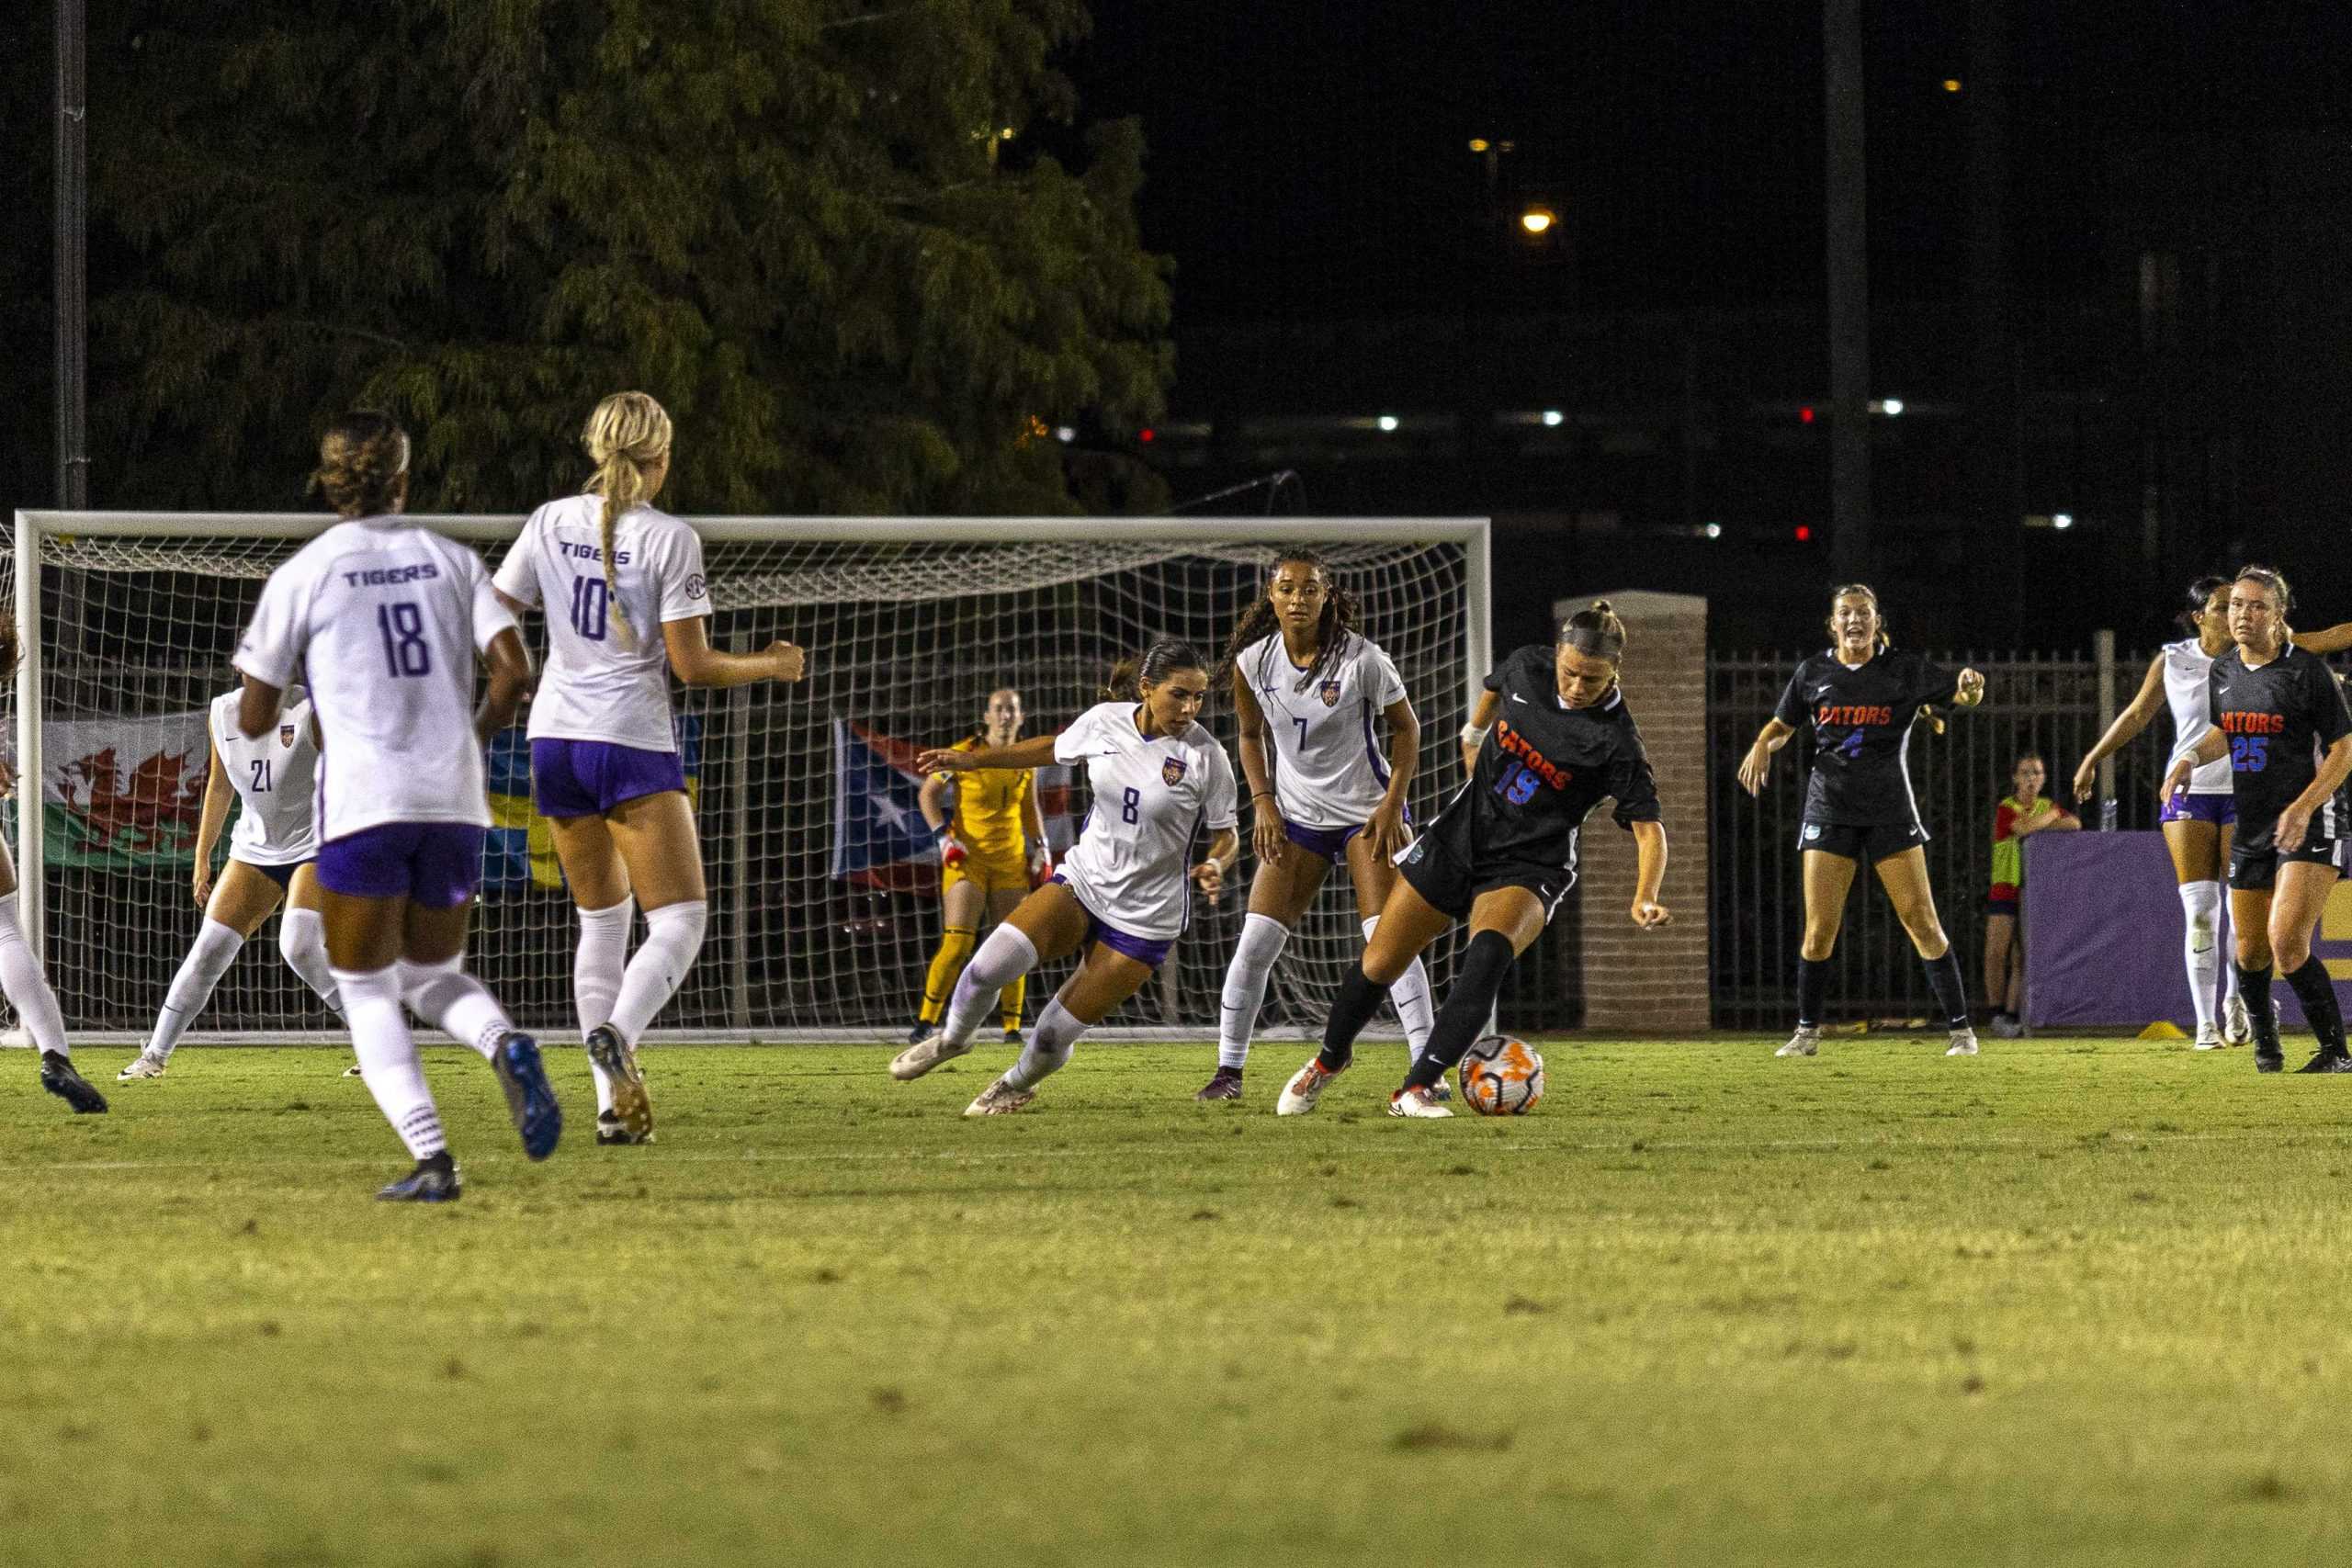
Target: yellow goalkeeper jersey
point(988, 804)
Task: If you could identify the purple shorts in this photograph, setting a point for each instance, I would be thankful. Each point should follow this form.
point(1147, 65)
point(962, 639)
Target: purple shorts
point(1331, 843)
point(1142, 949)
point(2222, 810)
point(433, 865)
point(588, 778)
point(281, 874)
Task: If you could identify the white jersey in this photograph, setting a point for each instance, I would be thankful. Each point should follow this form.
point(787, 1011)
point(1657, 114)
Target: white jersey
point(1329, 771)
point(594, 688)
point(387, 616)
point(2187, 667)
point(274, 778)
point(1129, 866)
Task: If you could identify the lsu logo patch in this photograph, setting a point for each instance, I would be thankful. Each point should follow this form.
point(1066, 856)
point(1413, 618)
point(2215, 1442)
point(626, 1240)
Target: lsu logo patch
point(1171, 770)
point(285, 735)
point(1330, 693)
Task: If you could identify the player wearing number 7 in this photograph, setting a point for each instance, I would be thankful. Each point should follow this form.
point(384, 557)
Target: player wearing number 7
point(2279, 718)
point(1860, 698)
point(609, 568)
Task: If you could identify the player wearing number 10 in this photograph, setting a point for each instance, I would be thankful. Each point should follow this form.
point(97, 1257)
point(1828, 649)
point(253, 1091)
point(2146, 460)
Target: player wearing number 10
point(605, 768)
point(387, 616)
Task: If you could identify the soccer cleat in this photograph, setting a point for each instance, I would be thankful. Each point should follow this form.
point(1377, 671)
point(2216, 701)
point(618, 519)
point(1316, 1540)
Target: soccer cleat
point(630, 1103)
point(2208, 1038)
point(610, 1130)
point(354, 1071)
point(1440, 1092)
point(916, 1030)
point(434, 1181)
point(1305, 1086)
point(2328, 1062)
point(1012, 1038)
point(1964, 1043)
point(58, 1075)
point(2268, 1059)
point(1000, 1099)
point(530, 1099)
point(1416, 1101)
point(1803, 1042)
point(1225, 1085)
point(142, 1065)
point(924, 1055)
point(2237, 1026)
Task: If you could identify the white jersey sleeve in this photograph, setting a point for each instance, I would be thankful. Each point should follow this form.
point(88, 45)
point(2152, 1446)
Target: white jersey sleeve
point(1324, 730)
point(490, 614)
point(1151, 794)
point(274, 777)
point(595, 686)
point(2187, 669)
point(386, 616)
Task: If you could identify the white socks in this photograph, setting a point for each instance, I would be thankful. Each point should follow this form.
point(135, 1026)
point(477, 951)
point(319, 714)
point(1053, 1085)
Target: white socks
point(673, 937)
point(446, 996)
point(302, 942)
point(388, 1058)
point(2200, 904)
point(1410, 997)
point(1005, 956)
point(216, 948)
point(1262, 939)
point(27, 988)
point(596, 977)
point(1050, 1044)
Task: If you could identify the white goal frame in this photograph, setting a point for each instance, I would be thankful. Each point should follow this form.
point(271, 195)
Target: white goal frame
point(36, 526)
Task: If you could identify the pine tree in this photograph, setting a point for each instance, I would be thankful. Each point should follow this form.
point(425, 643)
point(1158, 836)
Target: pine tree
point(815, 228)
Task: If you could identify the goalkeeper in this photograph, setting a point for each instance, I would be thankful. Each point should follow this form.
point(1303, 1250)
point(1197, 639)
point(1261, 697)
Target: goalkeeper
point(991, 851)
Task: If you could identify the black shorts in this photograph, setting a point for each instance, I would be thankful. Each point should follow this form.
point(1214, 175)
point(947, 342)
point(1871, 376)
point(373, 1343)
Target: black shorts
point(1865, 846)
point(1451, 886)
point(2256, 871)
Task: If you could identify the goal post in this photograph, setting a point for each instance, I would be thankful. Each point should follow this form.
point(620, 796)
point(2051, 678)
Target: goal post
point(822, 887)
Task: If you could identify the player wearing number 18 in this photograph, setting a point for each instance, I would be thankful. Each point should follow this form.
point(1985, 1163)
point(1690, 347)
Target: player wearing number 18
point(2279, 718)
point(609, 568)
point(1550, 740)
point(388, 618)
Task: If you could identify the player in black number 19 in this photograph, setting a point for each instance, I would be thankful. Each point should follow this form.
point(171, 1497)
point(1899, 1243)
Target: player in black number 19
point(1860, 698)
point(1551, 739)
point(2279, 718)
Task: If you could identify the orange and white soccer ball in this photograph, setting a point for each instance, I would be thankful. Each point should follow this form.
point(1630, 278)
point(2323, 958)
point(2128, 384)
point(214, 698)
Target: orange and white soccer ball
point(1502, 1077)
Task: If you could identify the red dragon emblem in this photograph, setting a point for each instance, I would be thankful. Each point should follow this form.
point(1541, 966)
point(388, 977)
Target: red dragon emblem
point(157, 807)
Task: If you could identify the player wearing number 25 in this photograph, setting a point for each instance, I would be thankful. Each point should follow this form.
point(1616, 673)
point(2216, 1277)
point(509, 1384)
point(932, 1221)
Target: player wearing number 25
point(1859, 698)
point(608, 568)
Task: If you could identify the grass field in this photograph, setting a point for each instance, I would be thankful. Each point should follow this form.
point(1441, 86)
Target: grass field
point(2072, 1301)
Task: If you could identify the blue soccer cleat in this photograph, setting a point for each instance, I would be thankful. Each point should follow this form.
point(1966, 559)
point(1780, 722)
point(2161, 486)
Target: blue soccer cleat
point(530, 1099)
point(58, 1075)
point(434, 1181)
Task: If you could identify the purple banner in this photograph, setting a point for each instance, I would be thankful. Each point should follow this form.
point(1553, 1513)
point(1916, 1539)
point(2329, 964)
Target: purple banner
point(2104, 935)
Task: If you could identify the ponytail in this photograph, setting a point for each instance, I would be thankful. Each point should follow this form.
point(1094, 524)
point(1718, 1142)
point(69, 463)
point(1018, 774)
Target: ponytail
point(1132, 673)
point(627, 433)
point(1595, 632)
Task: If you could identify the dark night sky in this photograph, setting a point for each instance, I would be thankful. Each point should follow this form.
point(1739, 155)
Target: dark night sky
point(1311, 157)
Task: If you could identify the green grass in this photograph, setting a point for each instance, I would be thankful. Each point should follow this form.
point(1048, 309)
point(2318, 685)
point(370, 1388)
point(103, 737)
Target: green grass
point(2074, 1302)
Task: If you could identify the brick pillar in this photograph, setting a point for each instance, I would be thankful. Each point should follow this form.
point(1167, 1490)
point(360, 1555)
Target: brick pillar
point(1652, 982)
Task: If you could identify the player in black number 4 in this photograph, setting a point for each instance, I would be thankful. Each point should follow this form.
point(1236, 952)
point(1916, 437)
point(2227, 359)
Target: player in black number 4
point(2281, 719)
point(1860, 700)
point(1550, 740)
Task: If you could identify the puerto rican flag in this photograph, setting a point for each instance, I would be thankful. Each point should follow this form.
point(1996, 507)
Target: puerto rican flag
point(879, 836)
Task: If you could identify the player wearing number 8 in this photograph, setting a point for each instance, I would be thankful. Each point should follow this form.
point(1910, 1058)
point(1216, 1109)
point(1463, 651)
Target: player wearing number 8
point(609, 568)
point(2279, 718)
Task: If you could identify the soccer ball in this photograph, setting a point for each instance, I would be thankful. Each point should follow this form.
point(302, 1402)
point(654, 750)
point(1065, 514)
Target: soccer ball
point(1502, 1077)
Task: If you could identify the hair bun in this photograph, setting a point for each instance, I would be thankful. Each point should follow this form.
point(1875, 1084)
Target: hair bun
point(1603, 606)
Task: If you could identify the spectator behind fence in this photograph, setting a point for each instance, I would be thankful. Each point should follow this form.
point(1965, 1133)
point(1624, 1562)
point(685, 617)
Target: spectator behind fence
point(2027, 810)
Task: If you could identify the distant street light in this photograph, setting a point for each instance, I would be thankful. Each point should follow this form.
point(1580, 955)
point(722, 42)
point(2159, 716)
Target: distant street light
point(1538, 220)
point(1388, 421)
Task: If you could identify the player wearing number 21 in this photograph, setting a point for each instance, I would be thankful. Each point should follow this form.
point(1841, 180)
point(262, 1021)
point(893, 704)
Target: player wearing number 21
point(609, 568)
point(389, 617)
point(2279, 718)
point(1157, 775)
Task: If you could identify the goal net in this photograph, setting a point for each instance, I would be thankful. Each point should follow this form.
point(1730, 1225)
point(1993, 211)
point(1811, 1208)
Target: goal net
point(823, 881)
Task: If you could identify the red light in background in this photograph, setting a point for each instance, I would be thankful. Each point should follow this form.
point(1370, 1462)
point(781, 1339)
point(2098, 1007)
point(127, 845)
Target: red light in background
point(1147, 435)
point(1804, 414)
point(1804, 531)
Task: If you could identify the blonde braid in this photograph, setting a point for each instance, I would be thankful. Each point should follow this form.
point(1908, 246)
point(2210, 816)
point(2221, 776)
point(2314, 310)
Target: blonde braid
point(628, 431)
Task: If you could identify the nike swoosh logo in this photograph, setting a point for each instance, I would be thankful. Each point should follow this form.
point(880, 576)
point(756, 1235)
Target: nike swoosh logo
point(2223, 690)
point(1517, 698)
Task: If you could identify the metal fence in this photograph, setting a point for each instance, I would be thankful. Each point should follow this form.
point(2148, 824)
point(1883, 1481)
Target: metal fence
point(2045, 702)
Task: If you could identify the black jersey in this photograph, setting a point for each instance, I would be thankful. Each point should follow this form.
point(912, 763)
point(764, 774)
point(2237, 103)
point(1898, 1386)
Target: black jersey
point(2279, 720)
point(1543, 768)
point(1860, 718)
